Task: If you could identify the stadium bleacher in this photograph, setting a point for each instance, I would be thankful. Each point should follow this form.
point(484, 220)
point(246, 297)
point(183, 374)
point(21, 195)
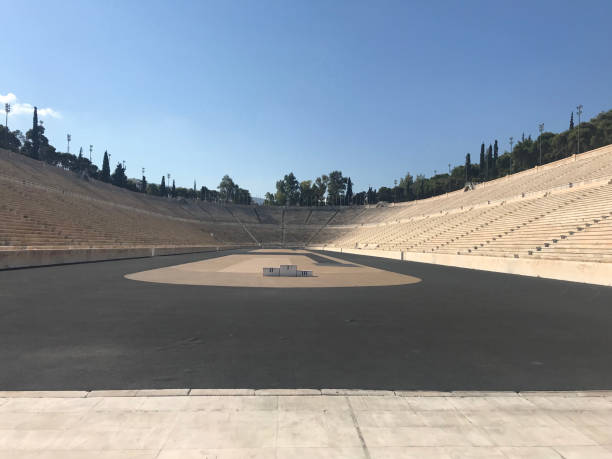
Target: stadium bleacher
point(562, 210)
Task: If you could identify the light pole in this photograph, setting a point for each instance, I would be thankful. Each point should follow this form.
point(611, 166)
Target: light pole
point(449, 177)
point(68, 138)
point(90, 150)
point(7, 109)
point(511, 142)
point(541, 128)
point(579, 110)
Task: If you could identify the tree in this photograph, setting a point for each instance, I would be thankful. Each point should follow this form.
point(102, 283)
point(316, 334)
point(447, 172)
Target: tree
point(468, 167)
point(307, 193)
point(385, 194)
point(162, 187)
point(9, 140)
point(371, 196)
point(335, 187)
point(270, 199)
point(119, 178)
point(406, 184)
point(143, 184)
point(105, 175)
point(227, 188)
point(153, 189)
point(320, 188)
point(34, 136)
point(173, 192)
point(79, 162)
point(495, 157)
point(288, 191)
point(349, 191)
point(571, 121)
point(482, 160)
point(489, 162)
point(360, 198)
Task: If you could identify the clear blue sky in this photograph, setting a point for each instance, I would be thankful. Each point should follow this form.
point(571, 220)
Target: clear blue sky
point(257, 89)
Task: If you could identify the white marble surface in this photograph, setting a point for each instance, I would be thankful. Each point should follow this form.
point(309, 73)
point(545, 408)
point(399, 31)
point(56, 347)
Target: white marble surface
point(293, 424)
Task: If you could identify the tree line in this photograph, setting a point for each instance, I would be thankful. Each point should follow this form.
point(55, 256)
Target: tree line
point(332, 189)
point(489, 165)
point(35, 145)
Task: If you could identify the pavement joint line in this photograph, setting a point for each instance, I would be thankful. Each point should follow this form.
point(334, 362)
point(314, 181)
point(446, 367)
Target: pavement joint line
point(193, 392)
point(364, 445)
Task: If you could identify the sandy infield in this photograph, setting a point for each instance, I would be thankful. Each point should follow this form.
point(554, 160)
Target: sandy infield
point(245, 270)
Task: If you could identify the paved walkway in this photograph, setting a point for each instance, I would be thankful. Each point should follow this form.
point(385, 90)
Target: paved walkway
point(186, 424)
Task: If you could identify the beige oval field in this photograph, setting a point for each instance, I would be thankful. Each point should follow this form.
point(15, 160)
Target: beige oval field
point(245, 270)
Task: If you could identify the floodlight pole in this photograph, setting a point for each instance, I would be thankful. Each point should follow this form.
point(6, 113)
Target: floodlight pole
point(68, 138)
point(90, 150)
point(7, 109)
point(579, 110)
point(541, 128)
point(511, 142)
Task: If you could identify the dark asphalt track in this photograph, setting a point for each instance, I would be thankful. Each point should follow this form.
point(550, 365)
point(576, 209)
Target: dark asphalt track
point(86, 327)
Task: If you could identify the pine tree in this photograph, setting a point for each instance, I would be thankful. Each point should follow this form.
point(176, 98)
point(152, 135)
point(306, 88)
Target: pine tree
point(572, 121)
point(162, 187)
point(468, 167)
point(482, 160)
point(105, 174)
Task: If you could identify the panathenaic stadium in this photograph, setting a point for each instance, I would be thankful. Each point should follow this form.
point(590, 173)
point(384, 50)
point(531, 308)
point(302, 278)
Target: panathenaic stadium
point(473, 324)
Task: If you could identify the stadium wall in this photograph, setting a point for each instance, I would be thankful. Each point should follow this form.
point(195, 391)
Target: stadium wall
point(573, 271)
point(10, 259)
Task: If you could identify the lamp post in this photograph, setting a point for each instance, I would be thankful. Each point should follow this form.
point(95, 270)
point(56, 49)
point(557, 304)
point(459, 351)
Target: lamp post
point(541, 129)
point(68, 138)
point(90, 150)
point(7, 109)
point(579, 111)
point(511, 143)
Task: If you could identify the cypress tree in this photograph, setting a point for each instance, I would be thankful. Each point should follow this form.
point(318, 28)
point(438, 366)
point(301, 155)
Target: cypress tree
point(482, 160)
point(495, 157)
point(468, 167)
point(572, 121)
point(80, 161)
point(35, 135)
point(143, 185)
point(489, 161)
point(162, 187)
point(173, 194)
point(349, 191)
point(105, 174)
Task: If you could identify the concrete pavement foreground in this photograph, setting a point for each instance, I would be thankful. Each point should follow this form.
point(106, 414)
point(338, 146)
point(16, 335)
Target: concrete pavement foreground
point(184, 424)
